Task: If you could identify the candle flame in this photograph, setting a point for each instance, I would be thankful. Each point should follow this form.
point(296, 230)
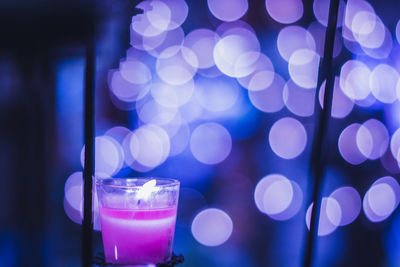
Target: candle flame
point(150, 184)
point(147, 189)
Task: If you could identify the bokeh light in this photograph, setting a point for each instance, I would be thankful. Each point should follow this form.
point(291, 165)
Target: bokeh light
point(355, 79)
point(109, 156)
point(278, 197)
point(347, 144)
point(269, 99)
point(321, 12)
point(184, 81)
point(330, 216)
point(368, 30)
point(135, 71)
point(303, 68)
point(171, 39)
point(124, 90)
point(228, 10)
point(364, 141)
point(262, 76)
point(236, 53)
point(73, 190)
point(375, 131)
point(147, 43)
point(341, 104)
point(212, 227)
point(159, 16)
point(293, 38)
point(141, 23)
point(172, 96)
point(352, 8)
point(298, 100)
point(318, 32)
point(151, 112)
point(381, 199)
point(395, 144)
point(350, 203)
point(383, 51)
point(179, 12)
point(285, 11)
point(294, 207)
point(177, 67)
point(287, 138)
point(383, 82)
point(210, 143)
point(149, 145)
point(202, 43)
point(180, 140)
point(73, 204)
point(398, 32)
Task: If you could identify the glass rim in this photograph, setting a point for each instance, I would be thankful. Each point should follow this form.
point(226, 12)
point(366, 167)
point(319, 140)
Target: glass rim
point(111, 182)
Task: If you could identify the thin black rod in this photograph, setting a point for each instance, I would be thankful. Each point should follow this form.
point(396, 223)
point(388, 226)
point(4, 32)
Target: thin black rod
point(87, 229)
point(319, 151)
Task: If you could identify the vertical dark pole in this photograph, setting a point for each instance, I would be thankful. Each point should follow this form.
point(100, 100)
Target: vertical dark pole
point(320, 145)
point(87, 231)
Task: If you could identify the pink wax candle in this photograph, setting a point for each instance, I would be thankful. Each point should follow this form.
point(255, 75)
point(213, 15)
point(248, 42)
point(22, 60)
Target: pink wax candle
point(137, 236)
point(137, 219)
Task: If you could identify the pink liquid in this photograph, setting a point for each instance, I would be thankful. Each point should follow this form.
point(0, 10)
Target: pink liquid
point(137, 236)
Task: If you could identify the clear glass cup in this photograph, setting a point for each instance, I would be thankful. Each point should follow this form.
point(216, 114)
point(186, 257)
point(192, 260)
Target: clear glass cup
point(137, 217)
